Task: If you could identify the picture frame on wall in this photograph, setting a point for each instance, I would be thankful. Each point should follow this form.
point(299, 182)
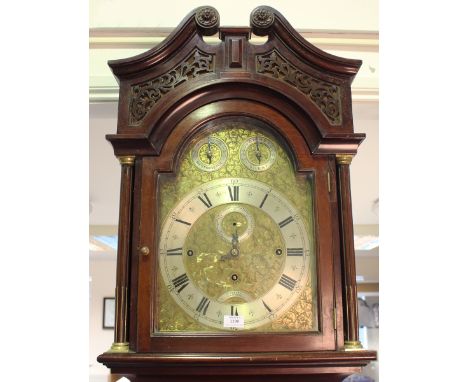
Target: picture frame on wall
point(108, 313)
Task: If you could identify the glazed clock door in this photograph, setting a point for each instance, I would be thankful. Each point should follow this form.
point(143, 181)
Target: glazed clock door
point(238, 263)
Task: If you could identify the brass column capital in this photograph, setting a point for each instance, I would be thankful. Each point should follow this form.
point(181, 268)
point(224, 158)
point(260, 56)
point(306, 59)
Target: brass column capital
point(127, 160)
point(344, 158)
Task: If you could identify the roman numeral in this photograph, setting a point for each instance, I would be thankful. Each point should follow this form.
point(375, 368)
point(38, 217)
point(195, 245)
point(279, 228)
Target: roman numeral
point(203, 305)
point(287, 282)
point(234, 310)
point(182, 222)
point(263, 200)
point(205, 200)
point(234, 193)
point(286, 221)
point(181, 281)
point(174, 252)
point(295, 251)
point(266, 306)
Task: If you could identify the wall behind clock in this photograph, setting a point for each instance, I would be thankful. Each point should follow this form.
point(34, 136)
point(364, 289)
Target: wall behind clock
point(102, 283)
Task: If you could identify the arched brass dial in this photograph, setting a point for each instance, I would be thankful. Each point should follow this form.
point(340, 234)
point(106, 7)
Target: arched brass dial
point(235, 236)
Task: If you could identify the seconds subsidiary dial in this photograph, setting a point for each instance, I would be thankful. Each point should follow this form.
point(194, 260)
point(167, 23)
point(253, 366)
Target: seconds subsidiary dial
point(211, 260)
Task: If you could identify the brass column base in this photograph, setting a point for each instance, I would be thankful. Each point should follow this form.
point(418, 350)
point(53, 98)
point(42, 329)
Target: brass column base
point(353, 345)
point(119, 347)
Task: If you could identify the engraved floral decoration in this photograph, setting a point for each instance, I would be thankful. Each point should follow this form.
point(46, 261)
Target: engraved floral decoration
point(146, 94)
point(325, 95)
point(300, 316)
point(262, 17)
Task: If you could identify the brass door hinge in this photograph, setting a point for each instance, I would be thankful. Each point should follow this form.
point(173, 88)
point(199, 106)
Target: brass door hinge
point(329, 181)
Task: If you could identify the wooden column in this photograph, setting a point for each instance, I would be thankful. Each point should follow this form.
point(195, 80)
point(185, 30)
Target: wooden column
point(350, 306)
point(121, 342)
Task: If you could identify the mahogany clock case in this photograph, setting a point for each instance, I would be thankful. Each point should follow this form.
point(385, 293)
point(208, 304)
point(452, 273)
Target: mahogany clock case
point(327, 259)
point(178, 91)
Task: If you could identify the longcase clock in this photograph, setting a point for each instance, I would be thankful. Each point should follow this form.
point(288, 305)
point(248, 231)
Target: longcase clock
point(235, 255)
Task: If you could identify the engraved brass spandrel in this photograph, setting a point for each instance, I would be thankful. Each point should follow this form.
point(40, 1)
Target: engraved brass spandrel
point(171, 318)
point(301, 316)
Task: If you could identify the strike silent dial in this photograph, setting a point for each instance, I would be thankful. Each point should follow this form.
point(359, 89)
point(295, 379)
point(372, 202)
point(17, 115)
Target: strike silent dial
point(257, 153)
point(210, 154)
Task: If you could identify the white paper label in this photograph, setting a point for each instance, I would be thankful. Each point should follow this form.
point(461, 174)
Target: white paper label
point(233, 322)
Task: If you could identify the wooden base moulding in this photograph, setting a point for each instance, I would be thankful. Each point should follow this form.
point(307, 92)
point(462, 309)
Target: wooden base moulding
point(295, 366)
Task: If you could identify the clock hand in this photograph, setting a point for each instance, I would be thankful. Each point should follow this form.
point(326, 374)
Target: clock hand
point(209, 153)
point(258, 153)
point(234, 251)
point(235, 238)
point(235, 244)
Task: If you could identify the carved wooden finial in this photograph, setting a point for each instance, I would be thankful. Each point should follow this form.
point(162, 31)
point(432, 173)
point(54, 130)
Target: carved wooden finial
point(207, 19)
point(261, 19)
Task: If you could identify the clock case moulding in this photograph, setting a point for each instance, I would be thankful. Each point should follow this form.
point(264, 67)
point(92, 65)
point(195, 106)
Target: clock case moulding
point(166, 97)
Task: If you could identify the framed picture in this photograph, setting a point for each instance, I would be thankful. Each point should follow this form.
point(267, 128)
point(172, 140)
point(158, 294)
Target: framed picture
point(108, 313)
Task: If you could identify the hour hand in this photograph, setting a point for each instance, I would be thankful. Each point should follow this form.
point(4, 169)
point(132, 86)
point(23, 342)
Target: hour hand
point(234, 251)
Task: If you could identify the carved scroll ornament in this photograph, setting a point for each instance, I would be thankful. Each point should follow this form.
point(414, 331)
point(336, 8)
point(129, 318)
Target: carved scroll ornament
point(145, 95)
point(262, 18)
point(324, 94)
point(207, 18)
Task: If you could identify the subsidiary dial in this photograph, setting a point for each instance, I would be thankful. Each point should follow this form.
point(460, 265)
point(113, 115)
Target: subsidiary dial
point(258, 153)
point(210, 154)
point(235, 221)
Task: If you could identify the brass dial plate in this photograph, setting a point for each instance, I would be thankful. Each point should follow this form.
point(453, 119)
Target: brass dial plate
point(265, 271)
point(272, 276)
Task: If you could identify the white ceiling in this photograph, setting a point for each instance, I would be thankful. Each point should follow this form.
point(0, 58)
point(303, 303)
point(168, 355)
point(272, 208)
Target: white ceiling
point(338, 15)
